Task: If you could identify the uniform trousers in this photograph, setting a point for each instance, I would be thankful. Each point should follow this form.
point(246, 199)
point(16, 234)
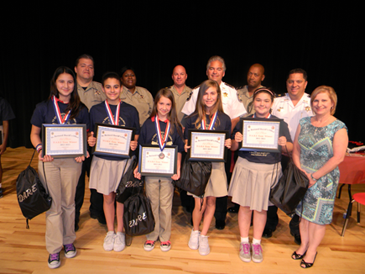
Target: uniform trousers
point(61, 180)
point(160, 191)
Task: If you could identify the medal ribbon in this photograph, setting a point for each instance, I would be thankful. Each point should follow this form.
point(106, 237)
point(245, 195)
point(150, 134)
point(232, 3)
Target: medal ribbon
point(110, 114)
point(162, 143)
point(58, 112)
point(212, 121)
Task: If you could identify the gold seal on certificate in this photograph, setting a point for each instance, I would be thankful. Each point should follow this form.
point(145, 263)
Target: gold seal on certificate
point(207, 145)
point(63, 140)
point(113, 140)
point(260, 134)
point(153, 162)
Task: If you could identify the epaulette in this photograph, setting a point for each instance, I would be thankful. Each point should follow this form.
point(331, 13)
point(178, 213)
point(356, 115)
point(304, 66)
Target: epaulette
point(280, 95)
point(240, 87)
point(197, 86)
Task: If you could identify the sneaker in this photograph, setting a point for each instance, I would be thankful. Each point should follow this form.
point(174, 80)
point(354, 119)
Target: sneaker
point(194, 240)
point(70, 250)
point(257, 253)
point(109, 241)
point(245, 252)
point(54, 260)
point(149, 245)
point(119, 241)
point(165, 246)
point(204, 248)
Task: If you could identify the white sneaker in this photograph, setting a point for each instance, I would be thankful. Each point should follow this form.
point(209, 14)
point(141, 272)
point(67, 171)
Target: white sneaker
point(204, 248)
point(194, 239)
point(119, 241)
point(109, 241)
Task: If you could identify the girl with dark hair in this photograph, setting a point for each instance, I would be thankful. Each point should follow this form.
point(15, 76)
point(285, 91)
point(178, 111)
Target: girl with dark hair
point(61, 175)
point(107, 171)
point(162, 128)
point(253, 176)
point(208, 115)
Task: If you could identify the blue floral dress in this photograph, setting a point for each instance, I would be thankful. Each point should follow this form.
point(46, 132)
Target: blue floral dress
point(315, 150)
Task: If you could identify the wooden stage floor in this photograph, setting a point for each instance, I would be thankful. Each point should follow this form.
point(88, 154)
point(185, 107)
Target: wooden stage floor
point(23, 250)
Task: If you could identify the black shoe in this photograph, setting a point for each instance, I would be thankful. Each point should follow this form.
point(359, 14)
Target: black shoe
point(297, 239)
point(220, 225)
point(296, 236)
point(1, 192)
point(233, 209)
point(304, 264)
point(101, 219)
point(267, 233)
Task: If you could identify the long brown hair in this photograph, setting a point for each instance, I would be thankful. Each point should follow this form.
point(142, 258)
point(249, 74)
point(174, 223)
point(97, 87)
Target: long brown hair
point(75, 104)
point(172, 116)
point(200, 108)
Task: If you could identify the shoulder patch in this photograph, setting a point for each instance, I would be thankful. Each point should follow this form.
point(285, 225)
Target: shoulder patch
point(198, 86)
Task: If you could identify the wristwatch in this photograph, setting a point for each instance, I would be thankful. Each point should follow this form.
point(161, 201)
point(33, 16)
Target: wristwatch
point(314, 179)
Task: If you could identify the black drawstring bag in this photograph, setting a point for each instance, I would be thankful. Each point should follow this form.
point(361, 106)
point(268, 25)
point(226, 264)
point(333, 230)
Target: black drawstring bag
point(290, 189)
point(128, 184)
point(138, 217)
point(194, 176)
point(33, 198)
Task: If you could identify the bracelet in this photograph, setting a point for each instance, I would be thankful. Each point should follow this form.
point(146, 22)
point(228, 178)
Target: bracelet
point(314, 179)
point(38, 147)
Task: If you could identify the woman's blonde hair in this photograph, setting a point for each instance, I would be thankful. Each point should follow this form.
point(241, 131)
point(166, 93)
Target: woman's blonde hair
point(331, 93)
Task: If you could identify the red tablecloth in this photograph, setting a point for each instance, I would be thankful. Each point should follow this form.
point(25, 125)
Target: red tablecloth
point(352, 170)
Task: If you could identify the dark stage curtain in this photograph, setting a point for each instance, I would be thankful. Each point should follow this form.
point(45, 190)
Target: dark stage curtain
point(153, 38)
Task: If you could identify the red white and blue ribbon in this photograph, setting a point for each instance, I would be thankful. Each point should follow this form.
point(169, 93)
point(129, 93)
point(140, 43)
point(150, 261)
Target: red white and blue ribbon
point(58, 112)
point(162, 143)
point(115, 120)
point(212, 122)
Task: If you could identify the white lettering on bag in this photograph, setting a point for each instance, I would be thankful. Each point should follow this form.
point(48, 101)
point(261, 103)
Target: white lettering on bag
point(30, 191)
point(139, 218)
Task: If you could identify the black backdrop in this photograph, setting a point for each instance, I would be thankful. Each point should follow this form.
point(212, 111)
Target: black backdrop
point(153, 37)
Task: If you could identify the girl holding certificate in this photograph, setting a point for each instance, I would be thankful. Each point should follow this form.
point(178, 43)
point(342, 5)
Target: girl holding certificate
point(208, 115)
point(61, 174)
point(253, 176)
point(162, 128)
point(107, 170)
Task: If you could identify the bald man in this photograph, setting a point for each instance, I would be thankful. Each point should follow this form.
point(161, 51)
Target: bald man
point(180, 90)
point(255, 75)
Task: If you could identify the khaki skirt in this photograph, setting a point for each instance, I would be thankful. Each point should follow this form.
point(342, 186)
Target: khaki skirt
point(105, 175)
point(217, 184)
point(251, 183)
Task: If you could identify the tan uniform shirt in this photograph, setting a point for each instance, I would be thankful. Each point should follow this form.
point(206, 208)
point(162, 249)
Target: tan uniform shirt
point(180, 100)
point(141, 99)
point(246, 99)
point(92, 95)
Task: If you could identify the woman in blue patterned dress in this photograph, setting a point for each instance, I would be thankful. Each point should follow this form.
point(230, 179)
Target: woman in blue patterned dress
point(319, 147)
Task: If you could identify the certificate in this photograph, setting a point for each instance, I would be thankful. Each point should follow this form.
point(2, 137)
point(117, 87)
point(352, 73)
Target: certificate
point(154, 162)
point(207, 145)
point(260, 134)
point(61, 140)
point(112, 140)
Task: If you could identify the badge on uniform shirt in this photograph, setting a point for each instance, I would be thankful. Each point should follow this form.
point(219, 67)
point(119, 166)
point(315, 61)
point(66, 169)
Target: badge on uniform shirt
point(191, 93)
point(141, 96)
point(280, 108)
point(307, 108)
point(225, 94)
